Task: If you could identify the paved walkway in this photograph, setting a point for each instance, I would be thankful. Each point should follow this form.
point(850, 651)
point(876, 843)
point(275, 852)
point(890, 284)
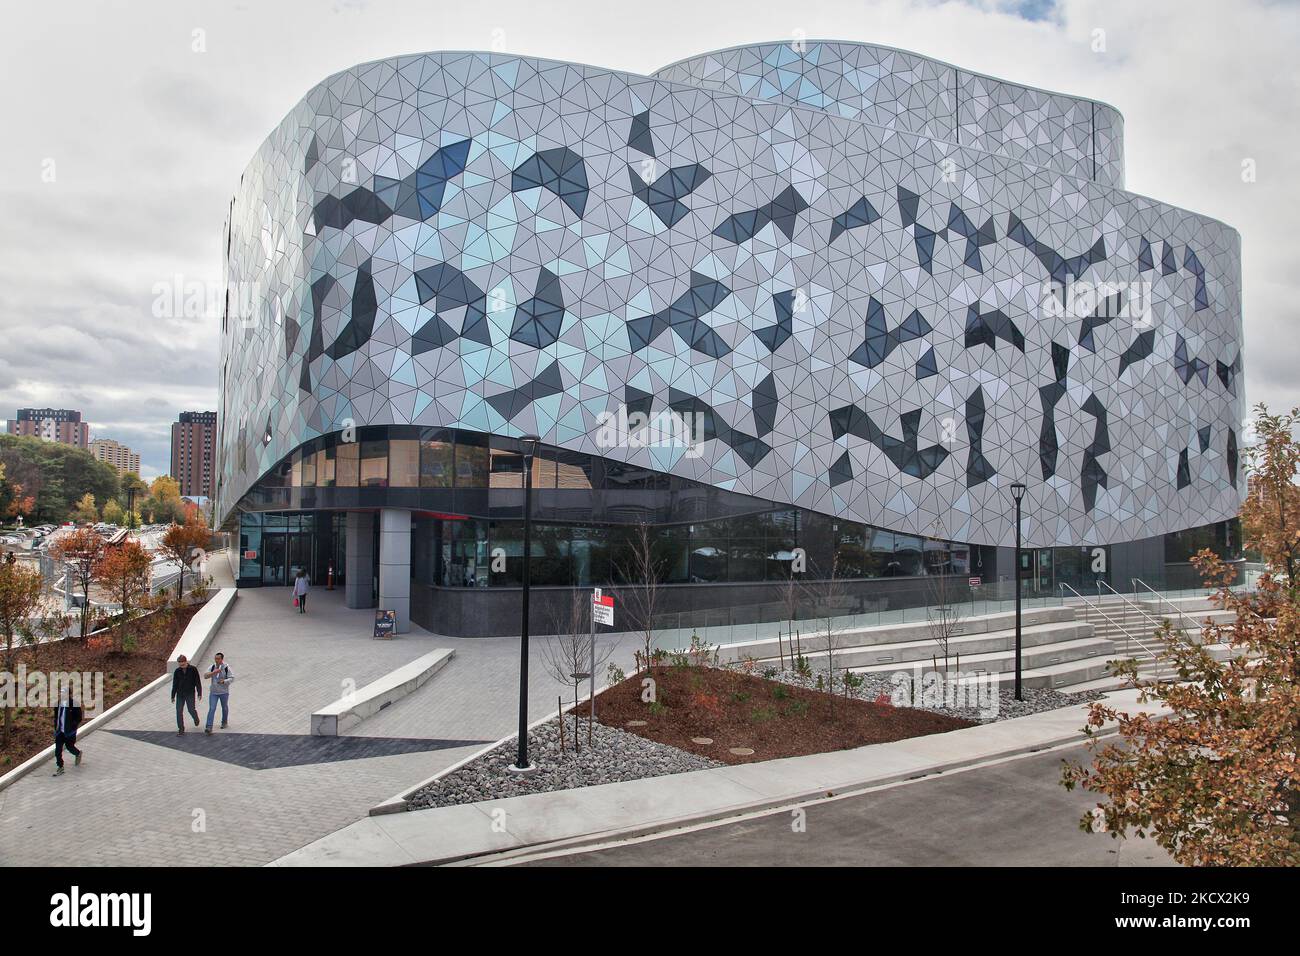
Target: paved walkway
point(265, 787)
point(638, 807)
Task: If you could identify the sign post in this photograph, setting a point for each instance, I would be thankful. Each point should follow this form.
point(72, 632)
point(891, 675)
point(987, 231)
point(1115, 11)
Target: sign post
point(602, 610)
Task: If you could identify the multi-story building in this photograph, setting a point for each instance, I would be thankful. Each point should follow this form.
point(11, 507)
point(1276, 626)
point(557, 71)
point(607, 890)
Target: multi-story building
point(194, 437)
point(63, 425)
point(808, 309)
point(121, 457)
point(126, 461)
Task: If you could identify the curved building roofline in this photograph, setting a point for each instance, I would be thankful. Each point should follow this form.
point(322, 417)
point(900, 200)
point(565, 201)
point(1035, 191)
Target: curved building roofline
point(803, 108)
point(892, 49)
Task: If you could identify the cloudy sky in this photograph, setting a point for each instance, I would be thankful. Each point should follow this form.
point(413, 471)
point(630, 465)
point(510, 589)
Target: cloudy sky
point(127, 125)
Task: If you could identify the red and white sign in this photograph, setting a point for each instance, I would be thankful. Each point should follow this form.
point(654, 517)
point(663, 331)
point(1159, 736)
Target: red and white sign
point(974, 582)
point(250, 555)
point(602, 608)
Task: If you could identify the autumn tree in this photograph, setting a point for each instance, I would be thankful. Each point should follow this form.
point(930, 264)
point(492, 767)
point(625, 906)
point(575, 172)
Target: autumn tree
point(164, 501)
point(184, 544)
point(21, 591)
point(14, 502)
point(134, 494)
point(85, 511)
point(124, 571)
point(78, 550)
point(1215, 781)
point(113, 512)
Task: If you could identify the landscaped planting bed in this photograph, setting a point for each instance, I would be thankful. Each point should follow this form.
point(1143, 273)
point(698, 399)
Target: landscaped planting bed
point(703, 716)
point(747, 717)
point(874, 685)
point(152, 640)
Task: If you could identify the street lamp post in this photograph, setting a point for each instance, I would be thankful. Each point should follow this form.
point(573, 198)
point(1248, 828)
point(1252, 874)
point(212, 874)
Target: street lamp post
point(1018, 493)
point(528, 445)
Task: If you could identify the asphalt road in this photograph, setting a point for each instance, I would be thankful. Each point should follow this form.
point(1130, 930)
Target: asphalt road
point(1011, 814)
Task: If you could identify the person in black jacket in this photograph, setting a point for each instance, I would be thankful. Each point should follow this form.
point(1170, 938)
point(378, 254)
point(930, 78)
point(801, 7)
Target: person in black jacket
point(186, 683)
point(67, 715)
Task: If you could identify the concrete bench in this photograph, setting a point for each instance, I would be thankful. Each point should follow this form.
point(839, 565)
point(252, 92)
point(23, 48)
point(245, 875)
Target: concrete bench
point(346, 712)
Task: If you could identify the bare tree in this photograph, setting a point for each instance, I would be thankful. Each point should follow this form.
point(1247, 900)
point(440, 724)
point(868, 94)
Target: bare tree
point(791, 598)
point(643, 572)
point(826, 596)
point(943, 612)
point(568, 654)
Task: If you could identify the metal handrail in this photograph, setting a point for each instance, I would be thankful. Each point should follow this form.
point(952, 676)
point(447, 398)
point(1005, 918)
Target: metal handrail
point(1182, 615)
point(1151, 618)
point(1156, 659)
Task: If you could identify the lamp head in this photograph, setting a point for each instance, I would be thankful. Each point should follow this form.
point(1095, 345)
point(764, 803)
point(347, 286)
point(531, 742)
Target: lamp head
point(1017, 491)
point(528, 445)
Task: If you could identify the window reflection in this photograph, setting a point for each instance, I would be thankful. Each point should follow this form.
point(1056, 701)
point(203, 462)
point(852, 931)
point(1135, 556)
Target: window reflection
point(403, 463)
point(374, 464)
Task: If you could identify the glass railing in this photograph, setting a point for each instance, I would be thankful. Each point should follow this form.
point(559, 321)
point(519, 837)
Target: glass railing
point(760, 622)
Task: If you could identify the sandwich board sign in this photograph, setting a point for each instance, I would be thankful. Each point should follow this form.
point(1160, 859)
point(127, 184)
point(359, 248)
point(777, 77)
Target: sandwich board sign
point(602, 608)
point(385, 625)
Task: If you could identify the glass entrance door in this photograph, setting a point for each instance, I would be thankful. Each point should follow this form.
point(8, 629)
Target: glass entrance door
point(274, 554)
point(1043, 583)
point(299, 554)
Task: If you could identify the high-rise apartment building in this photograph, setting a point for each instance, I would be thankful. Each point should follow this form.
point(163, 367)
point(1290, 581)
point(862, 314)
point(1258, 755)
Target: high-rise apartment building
point(63, 425)
point(194, 435)
point(126, 461)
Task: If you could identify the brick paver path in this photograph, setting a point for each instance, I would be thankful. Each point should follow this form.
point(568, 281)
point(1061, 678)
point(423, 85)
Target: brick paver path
point(144, 798)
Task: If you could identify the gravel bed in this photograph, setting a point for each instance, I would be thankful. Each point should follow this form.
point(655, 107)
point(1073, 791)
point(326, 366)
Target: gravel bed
point(1037, 699)
point(615, 757)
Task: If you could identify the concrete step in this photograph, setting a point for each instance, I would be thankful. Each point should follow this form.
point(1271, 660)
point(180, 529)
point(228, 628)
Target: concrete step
point(968, 646)
point(1042, 662)
point(901, 633)
point(1076, 682)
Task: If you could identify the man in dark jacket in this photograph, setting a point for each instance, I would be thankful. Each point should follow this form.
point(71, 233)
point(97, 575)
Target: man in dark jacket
point(67, 715)
point(186, 684)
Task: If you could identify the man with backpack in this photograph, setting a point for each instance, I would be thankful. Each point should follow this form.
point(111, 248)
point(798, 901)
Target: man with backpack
point(219, 691)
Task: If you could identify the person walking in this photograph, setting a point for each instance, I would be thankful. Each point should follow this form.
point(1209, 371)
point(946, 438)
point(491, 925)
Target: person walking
point(220, 675)
point(186, 683)
point(67, 716)
point(300, 588)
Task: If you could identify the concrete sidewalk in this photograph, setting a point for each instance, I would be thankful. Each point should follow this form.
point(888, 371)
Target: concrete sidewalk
point(593, 814)
point(266, 786)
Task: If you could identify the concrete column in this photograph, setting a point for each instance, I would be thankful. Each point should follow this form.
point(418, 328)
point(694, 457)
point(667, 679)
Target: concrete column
point(395, 565)
point(360, 558)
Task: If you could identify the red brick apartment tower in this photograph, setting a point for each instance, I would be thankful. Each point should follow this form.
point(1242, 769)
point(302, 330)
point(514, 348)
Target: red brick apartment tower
point(194, 435)
point(63, 425)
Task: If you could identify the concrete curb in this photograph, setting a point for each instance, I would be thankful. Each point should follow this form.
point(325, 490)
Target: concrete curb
point(193, 642)
point(473, 833)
